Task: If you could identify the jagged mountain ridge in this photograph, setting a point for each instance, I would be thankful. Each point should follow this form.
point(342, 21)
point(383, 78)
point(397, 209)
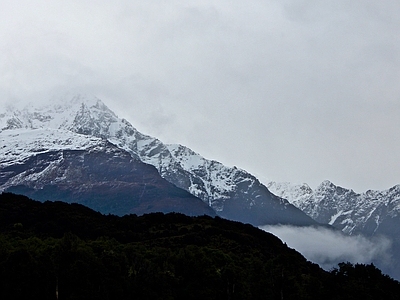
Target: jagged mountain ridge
point(231, 192)
point(372, 213)
point(63, 165)
point(342, 208)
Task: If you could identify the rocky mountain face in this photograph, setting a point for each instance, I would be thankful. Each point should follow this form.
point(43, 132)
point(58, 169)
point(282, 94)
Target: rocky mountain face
point(231, 192)
point(343, 208)
point(61, 165)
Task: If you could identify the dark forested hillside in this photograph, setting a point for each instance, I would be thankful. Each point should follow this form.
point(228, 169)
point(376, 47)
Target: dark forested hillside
point(56, 250)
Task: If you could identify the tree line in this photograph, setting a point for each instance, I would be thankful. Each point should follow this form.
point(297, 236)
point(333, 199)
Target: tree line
point(55, 250)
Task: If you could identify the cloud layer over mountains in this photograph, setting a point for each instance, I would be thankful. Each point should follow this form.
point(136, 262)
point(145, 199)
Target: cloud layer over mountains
point(328, 248)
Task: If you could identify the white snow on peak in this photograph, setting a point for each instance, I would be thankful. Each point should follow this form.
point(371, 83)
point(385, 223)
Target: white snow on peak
point(341, 207)
point(19, 144)
point(294, 193)
point(58, 113)
point(187, 158)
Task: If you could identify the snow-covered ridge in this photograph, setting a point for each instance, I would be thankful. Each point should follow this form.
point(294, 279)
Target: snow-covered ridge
point(58, 114)
point(294, 193)
point(19, 144)
point(341, 207)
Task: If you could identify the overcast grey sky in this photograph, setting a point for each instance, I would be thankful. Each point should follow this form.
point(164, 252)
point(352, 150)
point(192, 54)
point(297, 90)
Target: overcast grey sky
point(289, 90)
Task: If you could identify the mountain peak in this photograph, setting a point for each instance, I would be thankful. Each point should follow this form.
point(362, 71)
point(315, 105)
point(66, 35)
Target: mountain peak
point(289, 191)
point(327, 183)
point(232, 192)
point(78, 113)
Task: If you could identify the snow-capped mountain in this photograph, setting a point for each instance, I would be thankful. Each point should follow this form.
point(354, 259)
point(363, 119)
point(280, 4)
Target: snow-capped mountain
point(342, 208)
point(231, 192)
point(62, 165)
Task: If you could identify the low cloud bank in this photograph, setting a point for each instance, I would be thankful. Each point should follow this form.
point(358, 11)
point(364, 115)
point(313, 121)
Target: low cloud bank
point(328, 247)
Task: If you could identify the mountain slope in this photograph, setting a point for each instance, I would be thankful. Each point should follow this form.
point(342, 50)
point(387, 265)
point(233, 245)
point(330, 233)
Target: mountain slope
point(231, 192)
point(59, 164)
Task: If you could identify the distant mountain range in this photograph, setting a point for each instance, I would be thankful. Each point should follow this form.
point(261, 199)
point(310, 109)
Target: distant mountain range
point(371, 213)
point(77, 149)
point(367, 213)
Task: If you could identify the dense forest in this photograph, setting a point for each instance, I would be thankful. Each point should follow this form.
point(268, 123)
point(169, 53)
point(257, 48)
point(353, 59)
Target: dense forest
point(55, 250)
